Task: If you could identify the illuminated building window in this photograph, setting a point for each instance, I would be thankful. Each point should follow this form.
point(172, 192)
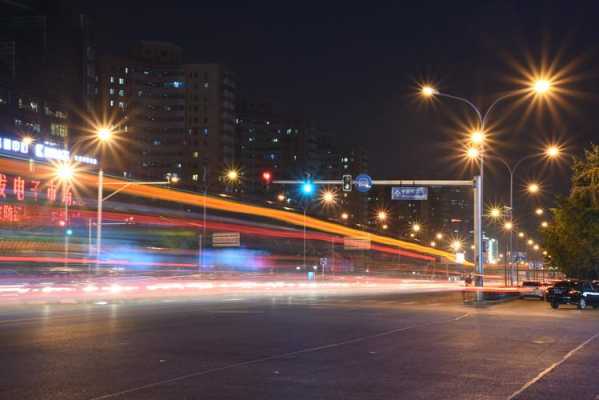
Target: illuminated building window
point(121, 81)
point(126, 70)
point(112, 79)
point(195, 177)
point(60, 130)
point(196, 154)
point(121, 92)
point(122, 105)
point(111, 103)
point(111, 90)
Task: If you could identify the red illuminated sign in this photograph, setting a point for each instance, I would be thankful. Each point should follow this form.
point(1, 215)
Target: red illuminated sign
point(21, 189)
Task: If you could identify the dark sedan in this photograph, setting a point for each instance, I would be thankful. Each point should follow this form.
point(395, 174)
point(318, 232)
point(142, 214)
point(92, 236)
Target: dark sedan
point(580, 293)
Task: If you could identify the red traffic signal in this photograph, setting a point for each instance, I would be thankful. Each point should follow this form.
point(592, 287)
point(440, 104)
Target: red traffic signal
point(266, 177)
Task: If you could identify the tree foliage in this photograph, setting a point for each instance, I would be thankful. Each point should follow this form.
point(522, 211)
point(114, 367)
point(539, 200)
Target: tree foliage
point(572, 239)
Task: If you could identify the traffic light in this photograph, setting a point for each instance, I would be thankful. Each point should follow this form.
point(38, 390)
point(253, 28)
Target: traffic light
point(307, 188)
point(347, 183)
point(266, 177)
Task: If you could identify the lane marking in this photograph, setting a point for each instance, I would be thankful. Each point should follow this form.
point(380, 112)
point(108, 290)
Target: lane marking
point(552, 367)
point(275, 357)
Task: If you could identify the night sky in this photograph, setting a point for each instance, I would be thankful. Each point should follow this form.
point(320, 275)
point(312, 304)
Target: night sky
point(354, 69)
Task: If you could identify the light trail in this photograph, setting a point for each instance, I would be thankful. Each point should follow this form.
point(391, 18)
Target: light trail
point(89, 180)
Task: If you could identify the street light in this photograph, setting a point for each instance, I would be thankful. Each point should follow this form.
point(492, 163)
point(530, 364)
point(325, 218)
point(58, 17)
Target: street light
point(328, 197)
point(433, 243)
point(344, 216)
point(281, 197)
point(533, 188)
point(232, 175)
point(544, 224)
point(439, 236)
point(104, 134)
point(416, 227)
point(477, 137)
point(495, 212)
point(552, 151)
point(428, 91)
point(508, 226)
point(473, 153)
point(381, 215)
point(541, 86)
point(521, 234)
point(456, 245)
point(539, 211)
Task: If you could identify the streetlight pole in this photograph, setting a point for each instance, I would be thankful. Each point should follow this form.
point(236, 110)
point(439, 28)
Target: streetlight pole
point(512, 170)
point(478, 194)
point(99, 216)
point(551, 152)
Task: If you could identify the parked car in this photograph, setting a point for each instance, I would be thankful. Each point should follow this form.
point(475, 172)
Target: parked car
point(580, 293)
point(532, 289)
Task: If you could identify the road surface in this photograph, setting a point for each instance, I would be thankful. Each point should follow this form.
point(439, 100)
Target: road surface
point(299, 346)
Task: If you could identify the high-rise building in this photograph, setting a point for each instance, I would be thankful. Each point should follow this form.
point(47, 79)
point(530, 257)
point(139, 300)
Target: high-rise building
point(174, 119)
point(273, 143)
point(210, 103)
point(47, 70)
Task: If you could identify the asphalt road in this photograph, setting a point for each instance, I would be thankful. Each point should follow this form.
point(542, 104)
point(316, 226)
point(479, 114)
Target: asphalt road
point(379, 346)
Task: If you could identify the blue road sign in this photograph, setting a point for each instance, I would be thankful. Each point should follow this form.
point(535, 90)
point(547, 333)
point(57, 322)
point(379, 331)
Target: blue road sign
point(363, 183)
point(409, 193)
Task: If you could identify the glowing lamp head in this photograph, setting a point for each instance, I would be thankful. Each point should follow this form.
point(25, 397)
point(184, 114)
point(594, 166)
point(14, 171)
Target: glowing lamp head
point(65, 172)
point(472, 153)
point(104, 134)
point(477, 137)
point(428, 91)
point(530, 242)
point(344, 216)
point(416, 227)
point(456, 245)
point(541, 86)
point(433, 244)
point(534, 188)
point(439, 236)
point(552, 151)
point(521, 234)
point(232, 175)
point(508, 226)
point(539, 211)
point(281, 197)
point(544, 224)
point(381, 215)
point(495, 213)
point(27, 140)
point(385, 226)
point(328, 197)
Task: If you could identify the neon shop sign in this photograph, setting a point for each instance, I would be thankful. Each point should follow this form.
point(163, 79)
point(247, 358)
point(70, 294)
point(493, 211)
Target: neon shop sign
point(41, 151)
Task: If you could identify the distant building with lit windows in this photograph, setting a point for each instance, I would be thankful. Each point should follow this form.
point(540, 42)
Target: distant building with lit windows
point(176, 119)
point(48, 78)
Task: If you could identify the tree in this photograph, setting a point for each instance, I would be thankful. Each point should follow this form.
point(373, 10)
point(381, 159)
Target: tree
point(572, 240)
